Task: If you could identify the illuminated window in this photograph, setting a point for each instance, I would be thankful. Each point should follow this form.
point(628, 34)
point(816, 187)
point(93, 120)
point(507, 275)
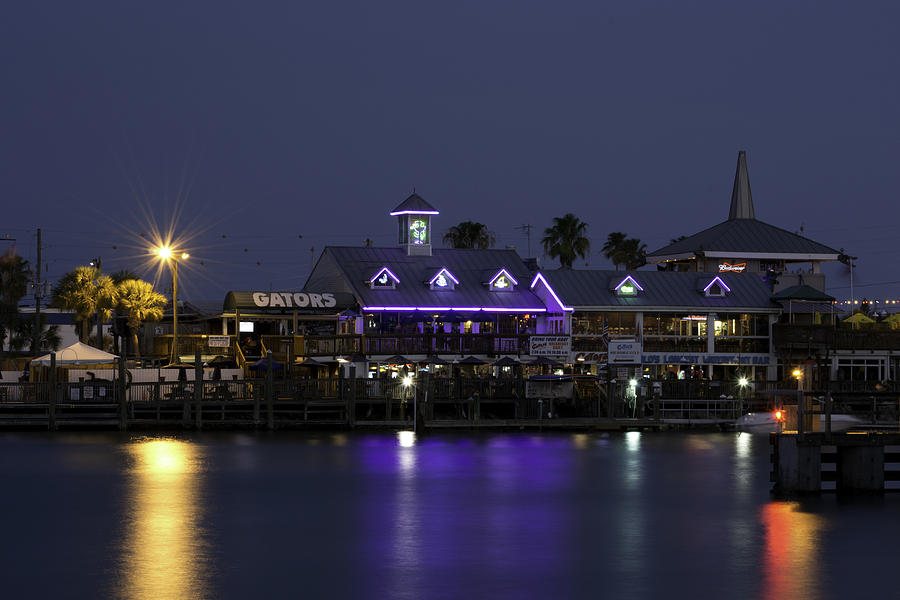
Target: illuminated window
point(502, 281)
point(443, 280)
point(418, 231)
point(716, 288)
point(383, 280)
point(627, 287)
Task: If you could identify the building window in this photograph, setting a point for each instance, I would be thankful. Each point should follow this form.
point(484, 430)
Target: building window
point(443, 280)
point(383, 280)
point(502, 281)
point(627, 287)
point(716, 288)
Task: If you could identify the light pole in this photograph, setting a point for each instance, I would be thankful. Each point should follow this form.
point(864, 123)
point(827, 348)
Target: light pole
point(408, 381)
point(166, 254)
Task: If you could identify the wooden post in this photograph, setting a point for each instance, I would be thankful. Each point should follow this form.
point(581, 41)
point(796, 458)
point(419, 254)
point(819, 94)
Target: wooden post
point(797, 463)
point(270, 392)
point(198, 390)
point(51, 409)
point(351, 397)
point(123, 400)
point(860, 464)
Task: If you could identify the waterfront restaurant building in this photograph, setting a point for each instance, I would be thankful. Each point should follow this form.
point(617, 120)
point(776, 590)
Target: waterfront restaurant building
point(745, 246)
point(422, 302)
point(666, 325)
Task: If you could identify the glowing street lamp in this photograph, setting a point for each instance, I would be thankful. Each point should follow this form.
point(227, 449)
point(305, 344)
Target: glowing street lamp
point(408, 381)
point(166, 254)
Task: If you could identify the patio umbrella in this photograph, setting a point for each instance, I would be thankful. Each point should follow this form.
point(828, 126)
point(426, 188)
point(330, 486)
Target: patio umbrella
point(471, 360)
point(310, 362)
point(263, 364)
point(223, 362)
point(506, 361)
point(857, 318)
point(356, 357)
point(543, 360)
point(396, 360)
point(435, 360)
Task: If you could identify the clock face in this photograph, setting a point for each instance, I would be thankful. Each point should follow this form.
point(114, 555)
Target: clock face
point(418, 231)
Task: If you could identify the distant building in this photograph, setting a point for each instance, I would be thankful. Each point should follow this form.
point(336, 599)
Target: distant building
point(744, 245)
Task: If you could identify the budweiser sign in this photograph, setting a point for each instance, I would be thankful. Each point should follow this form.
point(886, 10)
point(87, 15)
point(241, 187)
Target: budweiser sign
point(738, 268)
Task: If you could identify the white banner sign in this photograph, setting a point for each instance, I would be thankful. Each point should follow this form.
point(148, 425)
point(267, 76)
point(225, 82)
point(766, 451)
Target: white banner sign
point(549, 345)
point(622, 352)
point(218, 341)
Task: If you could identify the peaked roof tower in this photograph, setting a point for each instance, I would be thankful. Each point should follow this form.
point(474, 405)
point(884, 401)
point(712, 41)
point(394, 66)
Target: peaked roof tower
point(741, 198)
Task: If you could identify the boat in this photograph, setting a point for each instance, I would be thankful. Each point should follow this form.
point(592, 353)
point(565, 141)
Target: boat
point(772, 422)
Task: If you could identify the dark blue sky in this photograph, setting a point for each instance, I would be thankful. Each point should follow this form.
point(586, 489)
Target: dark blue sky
point(263, 121)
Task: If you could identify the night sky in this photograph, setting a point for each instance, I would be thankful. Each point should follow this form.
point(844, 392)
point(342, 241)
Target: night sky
point(250, 124)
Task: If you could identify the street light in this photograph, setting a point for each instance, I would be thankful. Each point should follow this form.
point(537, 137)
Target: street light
point(166, 254)
point(408, 381)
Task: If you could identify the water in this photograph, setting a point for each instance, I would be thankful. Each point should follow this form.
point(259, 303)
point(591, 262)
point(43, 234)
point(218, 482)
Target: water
point(377, 515)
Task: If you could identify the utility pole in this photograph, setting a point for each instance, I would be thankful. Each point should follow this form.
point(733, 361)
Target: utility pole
point(97, 263)
point(527, 230)
point(38, 292)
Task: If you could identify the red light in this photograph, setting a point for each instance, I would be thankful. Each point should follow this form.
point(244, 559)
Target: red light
point(778, 415)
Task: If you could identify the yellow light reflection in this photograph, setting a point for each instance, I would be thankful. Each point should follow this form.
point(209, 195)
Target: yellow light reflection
point(163, 549)
point(791, 560)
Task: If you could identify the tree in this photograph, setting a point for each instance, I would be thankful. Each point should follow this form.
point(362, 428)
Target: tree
point(566, 240)
point(14, 277)
point(87, 292)
point(140, 303)
point(23, 336)
point(612, 249)
point(119, 324)
point(625, 251)
point(469, 234)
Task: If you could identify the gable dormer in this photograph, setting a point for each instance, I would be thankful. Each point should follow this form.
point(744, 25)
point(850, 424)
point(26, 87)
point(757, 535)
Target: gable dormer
point(502, 281)
point(714, 288)
point(384, 279)
point(626, 287)
point(443, 280)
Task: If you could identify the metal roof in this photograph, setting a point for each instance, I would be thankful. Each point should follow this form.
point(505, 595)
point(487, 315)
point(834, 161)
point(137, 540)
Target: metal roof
point(663, 290)
point(414, 204)
point(745, 236)
point(802, 292)
point(472, 267)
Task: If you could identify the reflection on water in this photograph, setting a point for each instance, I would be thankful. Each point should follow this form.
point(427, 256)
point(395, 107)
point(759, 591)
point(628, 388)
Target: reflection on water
point(164, 554)
point(791, 555)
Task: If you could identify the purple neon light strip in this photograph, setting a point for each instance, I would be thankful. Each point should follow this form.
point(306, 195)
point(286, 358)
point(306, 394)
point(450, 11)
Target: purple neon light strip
point(383, 269)
point(415, 212)
point(447, 273)
point(722, 283)
point(501, 272)
point(629, 278)
point(461, 309)
point(549, 289)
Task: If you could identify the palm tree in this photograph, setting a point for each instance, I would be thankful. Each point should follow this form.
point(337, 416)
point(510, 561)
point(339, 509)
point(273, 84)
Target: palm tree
point(119, 324)
point(612, 249)
point(469, 234)
point(625, 251)
point(566, 240)
point(49, 339)
point(140, 303)
point(88, 293)
point(634, 254)
point(14, 277)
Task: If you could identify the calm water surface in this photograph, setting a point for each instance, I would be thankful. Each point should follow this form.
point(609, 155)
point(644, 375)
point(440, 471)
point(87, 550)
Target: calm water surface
point(382, 515)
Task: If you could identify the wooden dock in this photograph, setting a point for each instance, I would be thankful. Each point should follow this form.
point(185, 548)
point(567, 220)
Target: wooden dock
point(852, 462)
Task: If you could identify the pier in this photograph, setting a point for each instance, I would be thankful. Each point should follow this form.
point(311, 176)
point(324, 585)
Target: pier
point(853, 462)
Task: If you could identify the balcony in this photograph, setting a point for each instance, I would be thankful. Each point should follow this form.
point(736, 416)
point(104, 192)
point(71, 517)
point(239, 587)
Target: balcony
point(835, 338)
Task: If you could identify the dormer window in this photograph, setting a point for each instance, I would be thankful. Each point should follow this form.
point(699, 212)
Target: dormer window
point(443, 280)
point(716, 288)
point(502, 281)
point(383, 280)
point(628, 287)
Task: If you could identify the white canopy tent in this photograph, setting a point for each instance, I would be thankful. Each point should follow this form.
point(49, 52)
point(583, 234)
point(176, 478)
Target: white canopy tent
point(77, 354)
